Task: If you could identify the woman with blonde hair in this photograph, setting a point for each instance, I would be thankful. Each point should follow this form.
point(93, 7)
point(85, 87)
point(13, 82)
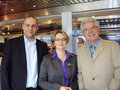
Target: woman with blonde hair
point(58, 70)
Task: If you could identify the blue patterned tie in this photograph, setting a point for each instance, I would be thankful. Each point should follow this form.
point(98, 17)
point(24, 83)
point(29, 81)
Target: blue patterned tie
point(93, 52)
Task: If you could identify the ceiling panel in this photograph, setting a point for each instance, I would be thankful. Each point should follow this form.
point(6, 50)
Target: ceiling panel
point(17, 6)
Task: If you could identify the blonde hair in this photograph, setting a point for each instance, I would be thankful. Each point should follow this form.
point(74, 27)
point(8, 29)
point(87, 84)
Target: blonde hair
point(59, 31)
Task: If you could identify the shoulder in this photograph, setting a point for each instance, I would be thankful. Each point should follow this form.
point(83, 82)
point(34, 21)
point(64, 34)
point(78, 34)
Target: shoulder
point(82, 46)
point(109, 43)
point(14, 40)
point(41, 42)
point(47, 58)
point(42, 45)
point(73, 56)
point(72, 59)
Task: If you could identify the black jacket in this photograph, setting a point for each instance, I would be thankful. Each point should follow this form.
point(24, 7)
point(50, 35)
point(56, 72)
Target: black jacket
point(14, 67)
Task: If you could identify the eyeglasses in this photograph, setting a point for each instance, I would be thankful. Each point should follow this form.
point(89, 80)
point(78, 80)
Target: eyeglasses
point(92, 28)
point(58, 39)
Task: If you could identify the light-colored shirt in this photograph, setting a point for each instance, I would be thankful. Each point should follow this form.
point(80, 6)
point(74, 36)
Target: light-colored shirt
point(32, 64)
point(96, 45)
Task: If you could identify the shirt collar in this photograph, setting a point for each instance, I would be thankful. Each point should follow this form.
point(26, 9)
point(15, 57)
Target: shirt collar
point(96, 43)
point(27, 42)
point(54, 54)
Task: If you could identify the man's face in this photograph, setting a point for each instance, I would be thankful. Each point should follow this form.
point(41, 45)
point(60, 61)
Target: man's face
point(30, 27)
point(91, 32)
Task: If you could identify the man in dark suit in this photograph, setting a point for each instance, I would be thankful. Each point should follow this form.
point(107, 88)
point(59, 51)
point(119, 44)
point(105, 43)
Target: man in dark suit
point(22, 58)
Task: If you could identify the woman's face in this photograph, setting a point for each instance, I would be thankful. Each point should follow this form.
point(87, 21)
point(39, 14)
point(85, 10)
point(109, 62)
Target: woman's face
point(60, 41)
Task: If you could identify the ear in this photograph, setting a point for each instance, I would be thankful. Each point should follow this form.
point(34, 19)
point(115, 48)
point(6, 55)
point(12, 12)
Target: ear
point(22, 26)
point(54, 45)
point(83, 34)
point(37, 28)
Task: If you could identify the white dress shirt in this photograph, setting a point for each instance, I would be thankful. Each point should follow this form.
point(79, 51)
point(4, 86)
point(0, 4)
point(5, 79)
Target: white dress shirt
point(31, 56)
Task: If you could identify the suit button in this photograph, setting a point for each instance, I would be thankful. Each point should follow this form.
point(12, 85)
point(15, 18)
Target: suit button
point(93, 78)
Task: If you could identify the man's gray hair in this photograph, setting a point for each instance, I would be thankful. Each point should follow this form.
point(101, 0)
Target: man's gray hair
point(86, 20)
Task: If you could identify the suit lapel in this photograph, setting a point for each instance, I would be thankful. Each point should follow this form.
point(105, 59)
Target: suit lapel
point(58, 65)
point(87, 51)
point(69, 64)
point(39, 54)
point(99, 49)
point(22, 51)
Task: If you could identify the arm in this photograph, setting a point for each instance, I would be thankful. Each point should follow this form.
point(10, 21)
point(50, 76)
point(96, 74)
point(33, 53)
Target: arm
point(43, 82)
point(115, 82)
point(5, 68)
point(80, 77)
point(74, 84)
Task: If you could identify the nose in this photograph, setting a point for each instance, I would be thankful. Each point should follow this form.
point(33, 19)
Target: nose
point(90, 30)
point(61, 40)
point(30, 28)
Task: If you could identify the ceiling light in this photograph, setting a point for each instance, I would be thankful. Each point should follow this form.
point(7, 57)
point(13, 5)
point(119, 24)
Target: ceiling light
point(12, 10)
point(111, 16)
point(49, 21)
point(3, 33)
point(34, 5)
point(8, 32)
point(93, 16)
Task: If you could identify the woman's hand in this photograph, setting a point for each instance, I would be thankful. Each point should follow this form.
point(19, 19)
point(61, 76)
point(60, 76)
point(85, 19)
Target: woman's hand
point(69, 88)
point(65, 88)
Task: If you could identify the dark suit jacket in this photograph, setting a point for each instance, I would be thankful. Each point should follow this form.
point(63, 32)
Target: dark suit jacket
point(14, 67)
point(52, 76)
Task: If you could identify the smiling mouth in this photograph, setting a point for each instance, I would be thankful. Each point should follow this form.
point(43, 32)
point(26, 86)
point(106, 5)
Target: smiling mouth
point(60, 45)
point(91, 34)
point(30, 32)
